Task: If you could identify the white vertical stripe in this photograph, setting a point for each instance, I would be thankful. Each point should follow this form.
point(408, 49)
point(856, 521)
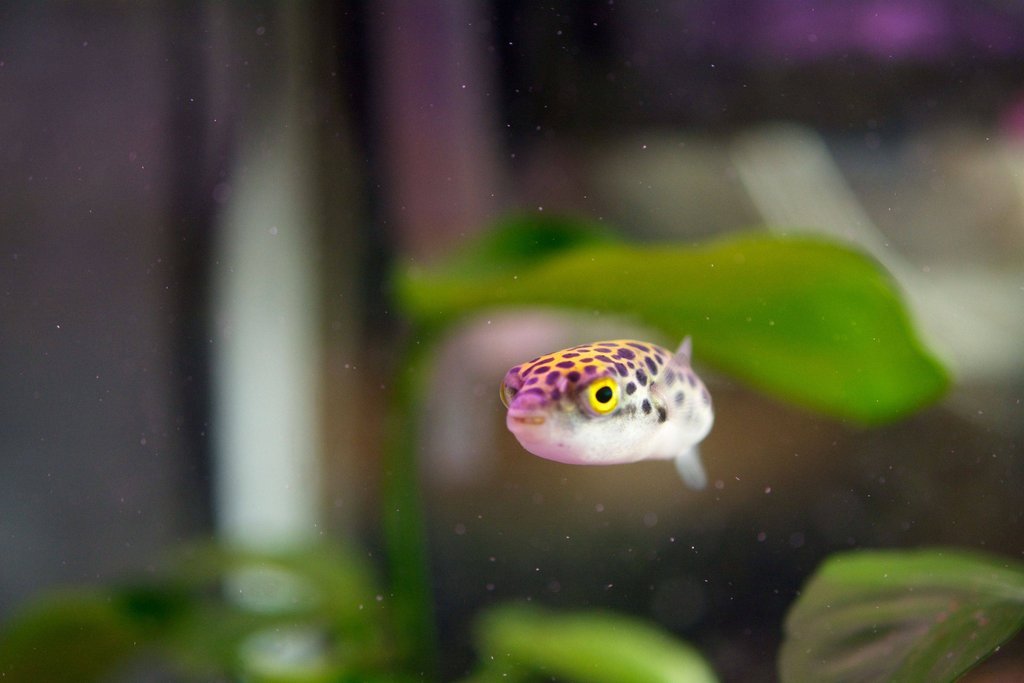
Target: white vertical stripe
point(265, 351)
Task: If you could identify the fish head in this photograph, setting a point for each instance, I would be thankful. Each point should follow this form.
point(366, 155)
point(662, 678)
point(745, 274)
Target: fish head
point(572, 410)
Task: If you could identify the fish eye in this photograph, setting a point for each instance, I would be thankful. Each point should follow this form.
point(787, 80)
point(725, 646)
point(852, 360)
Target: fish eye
point(507, 393)
point(603, 396)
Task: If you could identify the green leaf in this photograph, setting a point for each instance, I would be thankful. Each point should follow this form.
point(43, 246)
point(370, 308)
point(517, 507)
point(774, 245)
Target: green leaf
point(593, 647)
point(808, 320)
point(73, 636)
point(901, 616)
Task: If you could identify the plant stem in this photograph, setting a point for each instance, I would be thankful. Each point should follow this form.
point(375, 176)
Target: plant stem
point(404, 535)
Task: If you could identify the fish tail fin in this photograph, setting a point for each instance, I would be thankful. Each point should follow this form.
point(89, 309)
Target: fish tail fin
point(691, 470)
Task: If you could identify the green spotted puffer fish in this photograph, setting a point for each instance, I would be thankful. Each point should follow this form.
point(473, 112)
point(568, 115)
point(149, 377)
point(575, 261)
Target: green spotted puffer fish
point(611, 402)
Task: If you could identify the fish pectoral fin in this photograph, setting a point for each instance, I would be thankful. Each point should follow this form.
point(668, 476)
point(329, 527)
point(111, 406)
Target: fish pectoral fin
point(689, 466)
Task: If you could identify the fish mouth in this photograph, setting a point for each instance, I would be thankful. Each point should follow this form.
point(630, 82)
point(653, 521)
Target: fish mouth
point(527, 419)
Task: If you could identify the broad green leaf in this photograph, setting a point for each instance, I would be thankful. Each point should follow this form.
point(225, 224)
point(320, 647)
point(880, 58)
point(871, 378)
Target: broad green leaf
point(594, 647)
point(901, 616)
point(808, 320)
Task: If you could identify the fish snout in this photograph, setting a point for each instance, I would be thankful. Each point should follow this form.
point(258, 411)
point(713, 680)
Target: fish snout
point(528, 408)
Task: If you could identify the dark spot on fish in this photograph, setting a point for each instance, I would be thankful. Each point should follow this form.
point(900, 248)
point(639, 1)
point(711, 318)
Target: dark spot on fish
point(646, 407)
point(621, 369)
point(552, 377)
point(630, 409)
point(670, 378)
point(573, 376)
point(565, 364)
point(651, 365)
point(662, 414)
point(603, 359)
point(704, 395)
point(534, 391)
point(590, 369)
point(570, 355)
point(532, 380)
point(638, 346)
point(625, 353)
point(630, 388)
point(555, 394)
point(539, 370)
point(602, 349)
point(680, 397)
point(588, 359)
point(691, 379)
point(641, 377)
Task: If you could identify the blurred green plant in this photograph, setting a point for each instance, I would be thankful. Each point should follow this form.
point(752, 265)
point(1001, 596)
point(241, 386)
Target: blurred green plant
point(303, 617)
point(925, 615)
point(519, 643)
point(809, 321)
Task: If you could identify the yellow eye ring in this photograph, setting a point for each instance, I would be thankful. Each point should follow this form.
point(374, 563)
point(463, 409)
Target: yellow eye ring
point(603, 396)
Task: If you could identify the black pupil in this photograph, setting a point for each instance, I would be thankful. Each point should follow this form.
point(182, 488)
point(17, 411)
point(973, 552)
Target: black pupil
point(603, 395)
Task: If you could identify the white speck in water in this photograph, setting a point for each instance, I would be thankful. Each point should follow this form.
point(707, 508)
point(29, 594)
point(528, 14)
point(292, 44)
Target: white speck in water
point(761, 536)
point(767, 489)
point(460, 529)
point(650, 520)
point(273, 230)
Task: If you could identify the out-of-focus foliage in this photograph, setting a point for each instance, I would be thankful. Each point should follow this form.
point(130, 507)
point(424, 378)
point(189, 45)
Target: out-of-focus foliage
point(518, 643)
point(301, 617)
point(924, 616)
point(808, 320)
point(312, 616)
point(69, 636)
